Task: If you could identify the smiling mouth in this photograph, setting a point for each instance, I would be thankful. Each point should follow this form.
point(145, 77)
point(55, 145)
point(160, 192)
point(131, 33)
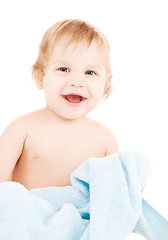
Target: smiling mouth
point(74, 99)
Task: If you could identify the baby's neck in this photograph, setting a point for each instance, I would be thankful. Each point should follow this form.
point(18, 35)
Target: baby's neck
point(59, 118)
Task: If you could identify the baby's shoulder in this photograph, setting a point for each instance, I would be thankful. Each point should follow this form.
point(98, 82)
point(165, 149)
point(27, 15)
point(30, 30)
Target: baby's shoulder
point(99, 127)
point(17, 127)
point(107, 137)
point(23, 122)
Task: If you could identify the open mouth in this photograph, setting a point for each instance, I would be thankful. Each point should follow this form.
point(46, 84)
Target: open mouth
point(74, 99)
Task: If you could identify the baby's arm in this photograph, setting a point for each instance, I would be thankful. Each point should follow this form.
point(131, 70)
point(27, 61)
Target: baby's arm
point(11, 146)
point(111, 143)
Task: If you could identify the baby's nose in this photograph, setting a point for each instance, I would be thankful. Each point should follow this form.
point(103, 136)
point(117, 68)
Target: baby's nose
point(76, 84)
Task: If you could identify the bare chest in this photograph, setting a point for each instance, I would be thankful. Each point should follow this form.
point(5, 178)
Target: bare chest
point(49, 158)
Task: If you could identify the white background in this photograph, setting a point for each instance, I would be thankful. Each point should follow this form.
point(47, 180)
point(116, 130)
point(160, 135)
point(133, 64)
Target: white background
point(136, 112)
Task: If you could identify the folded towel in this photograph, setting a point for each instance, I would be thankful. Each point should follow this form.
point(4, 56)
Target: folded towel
point(104, 202)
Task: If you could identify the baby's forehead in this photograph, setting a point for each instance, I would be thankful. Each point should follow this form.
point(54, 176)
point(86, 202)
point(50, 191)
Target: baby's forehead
point(68, 45)
point(68, 40)
point(77, 52)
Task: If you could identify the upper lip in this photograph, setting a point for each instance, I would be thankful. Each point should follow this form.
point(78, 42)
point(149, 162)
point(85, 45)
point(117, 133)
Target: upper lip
point(75, 93)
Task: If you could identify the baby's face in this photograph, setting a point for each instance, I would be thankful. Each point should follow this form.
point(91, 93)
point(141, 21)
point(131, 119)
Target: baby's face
point(74, 79)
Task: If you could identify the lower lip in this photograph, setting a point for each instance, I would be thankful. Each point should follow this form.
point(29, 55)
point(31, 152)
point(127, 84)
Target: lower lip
point(74, 104)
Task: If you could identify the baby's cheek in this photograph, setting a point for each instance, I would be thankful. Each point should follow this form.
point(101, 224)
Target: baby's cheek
point(94, 101)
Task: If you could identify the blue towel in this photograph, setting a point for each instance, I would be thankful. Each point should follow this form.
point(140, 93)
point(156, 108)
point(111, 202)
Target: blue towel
point(104, 202)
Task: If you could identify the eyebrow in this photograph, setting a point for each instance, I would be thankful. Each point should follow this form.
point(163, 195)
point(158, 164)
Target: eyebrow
point(91, 66)
point(60, 62)
point(88, 66)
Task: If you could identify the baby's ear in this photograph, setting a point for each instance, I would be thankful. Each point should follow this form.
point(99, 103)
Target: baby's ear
point(38, 76)
point(109, 78)
point(110, 83)
point(39, 83)
point(108, 86)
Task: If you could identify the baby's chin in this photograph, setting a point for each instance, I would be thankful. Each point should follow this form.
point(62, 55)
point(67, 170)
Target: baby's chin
point(68, 115)
point(71, 116)
point(66, 112)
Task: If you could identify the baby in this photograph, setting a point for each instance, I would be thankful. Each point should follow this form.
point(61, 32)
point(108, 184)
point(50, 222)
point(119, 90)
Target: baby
point(43, 148)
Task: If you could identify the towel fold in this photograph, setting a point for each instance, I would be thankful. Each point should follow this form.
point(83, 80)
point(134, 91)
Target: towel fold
point(104, 202)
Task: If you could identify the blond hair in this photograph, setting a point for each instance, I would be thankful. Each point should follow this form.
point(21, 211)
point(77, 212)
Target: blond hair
point(78, 31)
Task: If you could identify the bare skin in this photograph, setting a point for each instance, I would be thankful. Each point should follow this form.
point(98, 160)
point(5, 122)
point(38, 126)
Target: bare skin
point(43, 148)
point(49, 148)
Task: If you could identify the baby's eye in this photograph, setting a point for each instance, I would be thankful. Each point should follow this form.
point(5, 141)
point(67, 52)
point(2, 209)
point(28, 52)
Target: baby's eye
point(63, 69)
point(90, 72)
